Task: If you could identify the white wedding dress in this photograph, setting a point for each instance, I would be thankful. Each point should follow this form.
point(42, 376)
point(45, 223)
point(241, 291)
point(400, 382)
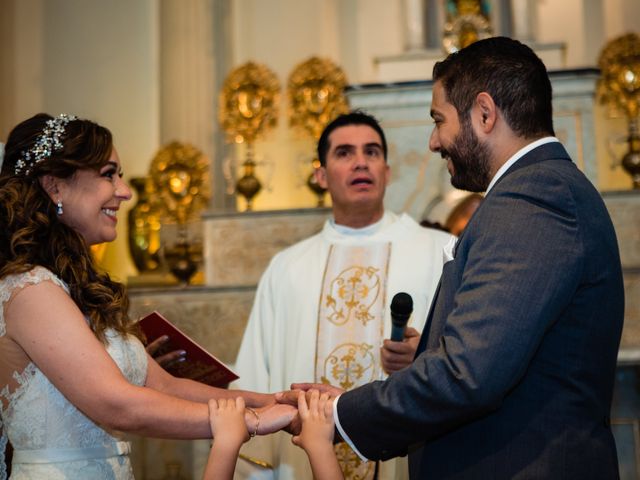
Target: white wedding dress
point(51, 438)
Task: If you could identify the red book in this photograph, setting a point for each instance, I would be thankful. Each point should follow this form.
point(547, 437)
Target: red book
point(198, 364)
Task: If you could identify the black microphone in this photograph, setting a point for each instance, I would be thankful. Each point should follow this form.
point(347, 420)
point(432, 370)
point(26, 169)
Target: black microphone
point(401, 308)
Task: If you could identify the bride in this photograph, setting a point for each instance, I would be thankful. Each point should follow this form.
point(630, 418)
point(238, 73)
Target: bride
point(74, 373)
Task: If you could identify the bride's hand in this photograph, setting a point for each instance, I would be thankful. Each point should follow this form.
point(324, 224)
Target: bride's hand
point(274, 417)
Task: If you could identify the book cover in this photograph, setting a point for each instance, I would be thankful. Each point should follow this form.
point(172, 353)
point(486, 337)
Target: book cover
point(198, 364)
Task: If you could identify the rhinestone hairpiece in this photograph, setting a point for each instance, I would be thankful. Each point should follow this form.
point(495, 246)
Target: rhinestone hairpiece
point(46, 143)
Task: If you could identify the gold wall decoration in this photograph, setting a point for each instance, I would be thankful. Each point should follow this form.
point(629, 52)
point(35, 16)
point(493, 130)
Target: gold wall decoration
point(180, 178)
point(180, 182)
point(316, 96)
point(467, 22)
point(619, 88)
point(249, 102)
point(248, 109)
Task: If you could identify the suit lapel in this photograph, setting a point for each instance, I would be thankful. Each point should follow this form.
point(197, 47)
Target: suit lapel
point(424, 337)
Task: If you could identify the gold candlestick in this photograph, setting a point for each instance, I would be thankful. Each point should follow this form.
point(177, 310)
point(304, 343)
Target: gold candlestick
point(248, 185)
point(619, 88)
point(248, 109)
point(631, 160)
point(316, 96)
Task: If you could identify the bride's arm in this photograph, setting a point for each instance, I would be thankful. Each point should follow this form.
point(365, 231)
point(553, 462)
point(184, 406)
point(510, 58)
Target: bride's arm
point(161, 380)
point(52, 331)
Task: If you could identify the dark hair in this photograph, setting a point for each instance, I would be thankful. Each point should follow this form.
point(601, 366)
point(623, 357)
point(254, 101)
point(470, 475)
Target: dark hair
point(511, 73)
point(32, 235)
point(356, 117)
point(85, 145)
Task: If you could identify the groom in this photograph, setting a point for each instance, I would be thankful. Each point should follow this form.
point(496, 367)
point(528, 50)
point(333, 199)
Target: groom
point(514, 372)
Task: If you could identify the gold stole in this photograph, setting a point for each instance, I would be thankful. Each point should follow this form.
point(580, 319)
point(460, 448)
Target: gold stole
point(350, 328)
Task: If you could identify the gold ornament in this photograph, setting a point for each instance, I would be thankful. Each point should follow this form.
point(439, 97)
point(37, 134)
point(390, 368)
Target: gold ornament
point(144, 227)
point(316, 96)
point(180, 181)
point(180, 177)
point(249, 102)
point(619, 83)
point(467, 22)
point(619, 88)
point(248, 109)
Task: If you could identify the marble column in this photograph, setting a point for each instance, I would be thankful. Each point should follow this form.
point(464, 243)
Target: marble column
point(414, 25)
point(524, 19)
point(193, 56)
point(187, 73)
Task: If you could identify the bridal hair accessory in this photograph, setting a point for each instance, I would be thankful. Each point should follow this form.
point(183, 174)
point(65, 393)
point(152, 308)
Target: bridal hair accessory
point(47, 143)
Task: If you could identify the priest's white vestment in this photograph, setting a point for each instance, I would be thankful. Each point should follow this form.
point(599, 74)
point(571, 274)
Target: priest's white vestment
point(279, 343)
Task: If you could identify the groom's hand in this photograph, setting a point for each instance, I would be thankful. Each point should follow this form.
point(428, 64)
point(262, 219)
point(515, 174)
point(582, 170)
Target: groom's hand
point(321, 387)
point(290, 397)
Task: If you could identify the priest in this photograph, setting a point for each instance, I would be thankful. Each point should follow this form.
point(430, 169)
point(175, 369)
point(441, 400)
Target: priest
point(322, 308)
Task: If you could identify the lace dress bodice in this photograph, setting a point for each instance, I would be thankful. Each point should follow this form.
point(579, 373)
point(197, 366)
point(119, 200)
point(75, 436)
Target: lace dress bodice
point(60, 441)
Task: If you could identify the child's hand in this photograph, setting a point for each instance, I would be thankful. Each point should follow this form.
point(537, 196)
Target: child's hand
point(226, 417)
point(317, 420)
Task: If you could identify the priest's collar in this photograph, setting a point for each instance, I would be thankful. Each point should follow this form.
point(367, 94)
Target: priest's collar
point(364, 231)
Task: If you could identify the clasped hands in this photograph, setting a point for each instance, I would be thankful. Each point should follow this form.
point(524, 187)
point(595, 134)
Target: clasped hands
point(317, 398)
point(313, 402)
point(288, 408)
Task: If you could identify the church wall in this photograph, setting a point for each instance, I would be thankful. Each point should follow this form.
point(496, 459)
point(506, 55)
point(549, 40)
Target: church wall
point(621, 16)
point(100, 62)
point(120, 90)
point(101, 59)
point(21, 48)
point(97, 60)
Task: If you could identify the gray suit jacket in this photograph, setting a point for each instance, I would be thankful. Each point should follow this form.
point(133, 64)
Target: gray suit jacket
point(520, 346)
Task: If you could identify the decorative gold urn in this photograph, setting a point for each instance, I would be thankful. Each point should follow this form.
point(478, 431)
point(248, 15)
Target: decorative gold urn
point(467, 22)
point(180, 181)
point(619, 88)
point(248, 109)
point(316, 96)
point(144, 227)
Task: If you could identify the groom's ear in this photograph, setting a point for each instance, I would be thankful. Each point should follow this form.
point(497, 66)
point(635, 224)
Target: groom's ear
point(485, 111)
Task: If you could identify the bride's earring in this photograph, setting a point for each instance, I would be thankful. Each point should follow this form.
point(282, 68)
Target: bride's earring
point(59, 210)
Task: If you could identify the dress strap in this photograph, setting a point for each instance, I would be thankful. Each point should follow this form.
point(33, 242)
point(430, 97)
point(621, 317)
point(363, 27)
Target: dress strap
point(57, 455)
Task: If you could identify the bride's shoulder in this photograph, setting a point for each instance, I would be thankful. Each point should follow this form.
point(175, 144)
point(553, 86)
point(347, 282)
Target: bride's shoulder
point(35, 275)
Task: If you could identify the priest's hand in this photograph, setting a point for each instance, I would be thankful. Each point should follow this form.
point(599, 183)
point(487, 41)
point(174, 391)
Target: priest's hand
point(398, 355)
point(166, 359)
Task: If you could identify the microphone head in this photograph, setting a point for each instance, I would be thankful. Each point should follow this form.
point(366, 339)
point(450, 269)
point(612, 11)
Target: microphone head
point(402, 304)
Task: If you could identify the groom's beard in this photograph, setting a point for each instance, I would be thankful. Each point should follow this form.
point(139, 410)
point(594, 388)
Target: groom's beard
point(470, 160)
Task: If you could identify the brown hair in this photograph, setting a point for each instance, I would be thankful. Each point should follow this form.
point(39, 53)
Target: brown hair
point(32, 234)
point(511, 73)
